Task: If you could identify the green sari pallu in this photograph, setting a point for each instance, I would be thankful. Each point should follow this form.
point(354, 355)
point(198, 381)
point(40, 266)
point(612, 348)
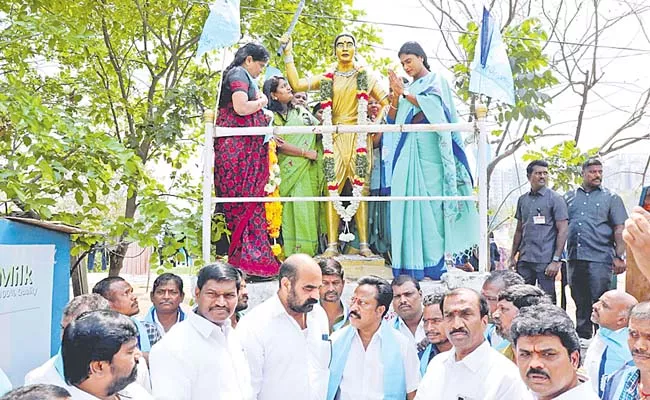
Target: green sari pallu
point(302, 222)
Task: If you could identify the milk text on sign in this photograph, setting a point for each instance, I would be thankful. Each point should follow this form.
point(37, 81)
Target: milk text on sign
point(19, 275)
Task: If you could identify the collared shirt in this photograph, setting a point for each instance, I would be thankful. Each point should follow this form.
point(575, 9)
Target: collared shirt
point(200, 360)
point(133, 391)
point(45, 374)
point(153, 315)
point(343, 320)
point(286, 362)
point(602, 360)
point(581, 392)
point(398, 323)
point(483, 374)
point(592, 217)
point(538, 212)
point(363, 375)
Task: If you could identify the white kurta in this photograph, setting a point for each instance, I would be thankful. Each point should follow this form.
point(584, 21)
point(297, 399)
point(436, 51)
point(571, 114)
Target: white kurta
point(199, 360)
point(131, 392)
point(285, 361)
point(485, 374)
point(363, 375)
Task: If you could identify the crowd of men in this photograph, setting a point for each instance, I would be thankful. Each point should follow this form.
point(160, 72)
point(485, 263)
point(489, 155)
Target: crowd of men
point(510, 341)
point(390, 342)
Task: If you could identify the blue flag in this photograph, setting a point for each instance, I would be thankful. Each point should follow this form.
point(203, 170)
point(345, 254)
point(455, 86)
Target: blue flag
point(491, 74)
point(222, 28)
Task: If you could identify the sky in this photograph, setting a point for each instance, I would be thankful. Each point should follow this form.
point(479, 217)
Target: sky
point(625, 73)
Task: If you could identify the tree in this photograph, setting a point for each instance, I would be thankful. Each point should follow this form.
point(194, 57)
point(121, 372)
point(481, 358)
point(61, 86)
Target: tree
point(124, 97)
point(567, 39)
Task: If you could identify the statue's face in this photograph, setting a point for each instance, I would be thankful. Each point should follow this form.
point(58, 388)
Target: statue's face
point(345, 49)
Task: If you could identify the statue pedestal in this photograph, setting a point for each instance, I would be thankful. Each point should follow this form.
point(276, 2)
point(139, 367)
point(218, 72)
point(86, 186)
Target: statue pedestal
point(356, 266)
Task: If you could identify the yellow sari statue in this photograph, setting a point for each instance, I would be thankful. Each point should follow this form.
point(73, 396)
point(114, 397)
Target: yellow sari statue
point(344, 111)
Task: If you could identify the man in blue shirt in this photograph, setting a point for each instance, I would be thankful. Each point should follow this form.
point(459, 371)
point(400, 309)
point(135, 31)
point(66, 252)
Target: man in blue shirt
point(595, 245)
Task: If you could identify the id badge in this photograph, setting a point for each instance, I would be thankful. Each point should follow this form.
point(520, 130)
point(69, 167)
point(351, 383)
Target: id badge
point(539, 220)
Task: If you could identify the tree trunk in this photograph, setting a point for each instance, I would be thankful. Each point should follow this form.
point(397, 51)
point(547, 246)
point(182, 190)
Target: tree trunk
point(117, 256)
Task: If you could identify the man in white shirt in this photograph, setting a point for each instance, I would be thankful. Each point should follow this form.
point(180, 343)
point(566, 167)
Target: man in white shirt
point(330, 293)
point(51, 372)
point(608, 350)
point(548, 354)
point(471, 370)
point(407, 303)
point(370, 360)
point(286, 338)
point(100, 357)
point(166, 296)
point(201, 358)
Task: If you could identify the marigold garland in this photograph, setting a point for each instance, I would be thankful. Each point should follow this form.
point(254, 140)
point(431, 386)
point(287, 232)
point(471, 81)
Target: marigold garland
point(272, 189)
point(361, 150)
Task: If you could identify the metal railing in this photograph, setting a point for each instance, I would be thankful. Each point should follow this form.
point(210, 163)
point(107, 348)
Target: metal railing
point(212, 132)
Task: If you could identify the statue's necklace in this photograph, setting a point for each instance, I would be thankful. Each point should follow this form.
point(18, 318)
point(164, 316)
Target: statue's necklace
point(345, 74)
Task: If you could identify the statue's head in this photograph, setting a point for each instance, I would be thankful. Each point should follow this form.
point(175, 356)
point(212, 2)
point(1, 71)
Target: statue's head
point(345, 47)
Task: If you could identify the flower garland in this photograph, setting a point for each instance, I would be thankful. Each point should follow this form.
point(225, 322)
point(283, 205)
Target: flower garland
point(361, 150)
point(274, 209)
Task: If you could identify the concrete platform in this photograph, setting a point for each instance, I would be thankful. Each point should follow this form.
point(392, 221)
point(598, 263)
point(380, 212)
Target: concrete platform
point(356, 266)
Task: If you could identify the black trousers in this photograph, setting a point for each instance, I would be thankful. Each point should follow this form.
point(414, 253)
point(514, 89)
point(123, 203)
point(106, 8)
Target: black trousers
point(588, 281)
point(534, 273)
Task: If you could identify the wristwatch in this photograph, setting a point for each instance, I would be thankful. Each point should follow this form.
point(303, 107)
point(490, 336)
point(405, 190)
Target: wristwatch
point(622, 258)
point(556, 259)
point(405, 93)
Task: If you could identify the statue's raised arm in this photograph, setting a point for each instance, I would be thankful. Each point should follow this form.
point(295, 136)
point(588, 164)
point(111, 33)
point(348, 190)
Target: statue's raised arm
point(297, 83)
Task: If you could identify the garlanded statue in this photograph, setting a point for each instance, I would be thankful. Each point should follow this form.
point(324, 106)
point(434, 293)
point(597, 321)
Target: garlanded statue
point(344, 92)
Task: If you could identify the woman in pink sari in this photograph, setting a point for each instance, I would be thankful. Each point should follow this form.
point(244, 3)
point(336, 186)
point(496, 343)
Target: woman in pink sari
point(241, 163)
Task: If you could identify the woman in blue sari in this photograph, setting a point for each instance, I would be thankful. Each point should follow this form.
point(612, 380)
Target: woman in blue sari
point(424, 233)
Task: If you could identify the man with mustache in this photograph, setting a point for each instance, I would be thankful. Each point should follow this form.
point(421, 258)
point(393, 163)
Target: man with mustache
point(242, 302)
point(286, 338)
point(202, 358)
point(472, 370)
point(433, 328)
point(122, 299)
point(100, 357)
point(511, 300)
point(633, 382)
point(596, 250)
point(541, 232)
point(166, 296)
point(407, 303)
point(548, 354)
point(330, 293)
point(608, 350)
point(493, 285)
point(370, 360)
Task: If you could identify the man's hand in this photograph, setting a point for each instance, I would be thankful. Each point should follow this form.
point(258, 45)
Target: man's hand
point(553, 268)
point(637, 235)
point(512, 264)
point(618, 266)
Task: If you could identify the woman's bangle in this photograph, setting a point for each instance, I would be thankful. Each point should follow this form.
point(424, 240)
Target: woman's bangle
point(288, 59)
point(392, 106)
point(302, 152)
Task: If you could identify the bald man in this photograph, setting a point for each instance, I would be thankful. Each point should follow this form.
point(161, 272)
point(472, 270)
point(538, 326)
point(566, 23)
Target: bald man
point(286, 338)
point(608, 350)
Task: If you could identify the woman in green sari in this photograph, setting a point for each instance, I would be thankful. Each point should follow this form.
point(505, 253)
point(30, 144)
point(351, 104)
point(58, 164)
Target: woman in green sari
point(300, 159)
